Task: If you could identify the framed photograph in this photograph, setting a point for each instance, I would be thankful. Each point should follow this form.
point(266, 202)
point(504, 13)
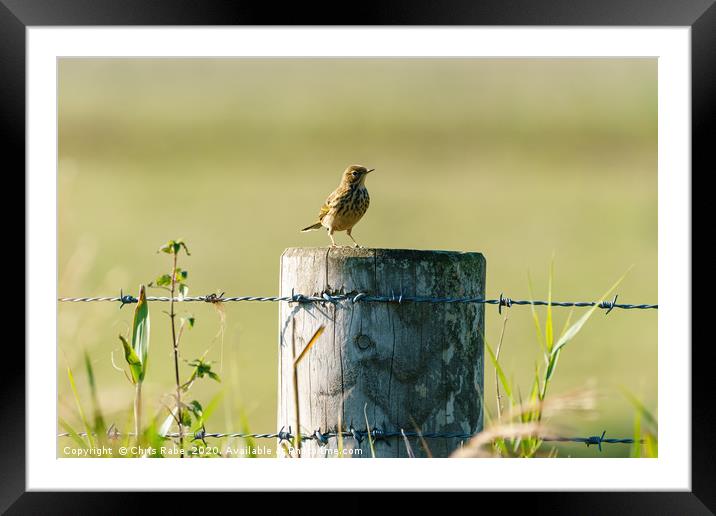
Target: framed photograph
point(456, 243)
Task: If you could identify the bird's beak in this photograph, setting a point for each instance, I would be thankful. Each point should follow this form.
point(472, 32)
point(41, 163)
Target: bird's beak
point(370, 170)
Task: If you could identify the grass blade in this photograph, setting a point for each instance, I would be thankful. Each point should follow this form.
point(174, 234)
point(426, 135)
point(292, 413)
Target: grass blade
point(207, 411)
point(652, 446)
point(536, 414)
point(99, 425)
point(411, 455)
point(535, 318)
point(551, 366)
point(166, 425)
point(339, 437)
point(636, 447)
point(85, 423)
point(577, 326)
point(244, 428)
point(567, 322)
point(498, 394)
point(296, 361)
point(367, 427)
point(423, 442)
point(571, 332)
point(500, 372)
point(639, 406)
point(73, 434)
point(549, 325)
point(310, 344)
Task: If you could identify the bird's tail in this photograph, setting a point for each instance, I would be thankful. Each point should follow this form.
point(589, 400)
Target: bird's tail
point(317, 225)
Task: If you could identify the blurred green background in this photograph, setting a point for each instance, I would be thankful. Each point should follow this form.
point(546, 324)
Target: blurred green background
point(518, 159)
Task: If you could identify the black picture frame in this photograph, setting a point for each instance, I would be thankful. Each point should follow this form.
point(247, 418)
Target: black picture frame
point(700, 15)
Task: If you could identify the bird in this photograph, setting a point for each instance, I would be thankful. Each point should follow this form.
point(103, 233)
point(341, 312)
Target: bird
point(345, 206)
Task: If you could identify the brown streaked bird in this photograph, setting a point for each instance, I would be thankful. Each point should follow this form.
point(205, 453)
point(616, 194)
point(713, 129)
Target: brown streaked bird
point(346, 204)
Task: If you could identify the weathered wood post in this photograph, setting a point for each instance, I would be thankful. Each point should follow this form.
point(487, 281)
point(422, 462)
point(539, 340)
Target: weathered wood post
point(415, 365)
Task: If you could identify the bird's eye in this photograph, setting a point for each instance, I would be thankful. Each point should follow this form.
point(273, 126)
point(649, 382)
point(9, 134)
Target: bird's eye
point(355, 173)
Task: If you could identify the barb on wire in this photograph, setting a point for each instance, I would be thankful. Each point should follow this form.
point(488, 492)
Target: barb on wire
point(377, 435)
point(363, 297)
point(594, 439)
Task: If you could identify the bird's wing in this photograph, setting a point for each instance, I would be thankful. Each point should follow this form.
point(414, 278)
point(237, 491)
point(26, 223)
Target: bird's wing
point(324, 211)
point(330, 203)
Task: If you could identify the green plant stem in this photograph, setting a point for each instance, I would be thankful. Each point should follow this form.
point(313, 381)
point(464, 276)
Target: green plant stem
point(497, 379)
point(138, 411)
point(175, 345)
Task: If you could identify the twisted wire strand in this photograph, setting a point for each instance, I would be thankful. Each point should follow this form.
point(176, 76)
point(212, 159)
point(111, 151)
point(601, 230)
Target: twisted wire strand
point(365, 298)
point(359, 435)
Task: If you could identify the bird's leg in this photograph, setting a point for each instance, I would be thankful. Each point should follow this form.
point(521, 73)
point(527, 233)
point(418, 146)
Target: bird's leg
point(354, 240)
point(330, 234)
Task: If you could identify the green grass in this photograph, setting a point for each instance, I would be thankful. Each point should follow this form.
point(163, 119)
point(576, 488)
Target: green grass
point(518, 159)
point(531, 411)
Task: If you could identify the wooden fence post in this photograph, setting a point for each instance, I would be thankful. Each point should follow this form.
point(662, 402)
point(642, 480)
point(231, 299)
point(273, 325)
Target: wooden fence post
point(415, 365)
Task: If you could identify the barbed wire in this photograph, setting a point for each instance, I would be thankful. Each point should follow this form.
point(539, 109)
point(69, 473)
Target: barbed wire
point(376, 435)
point(362, 297)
